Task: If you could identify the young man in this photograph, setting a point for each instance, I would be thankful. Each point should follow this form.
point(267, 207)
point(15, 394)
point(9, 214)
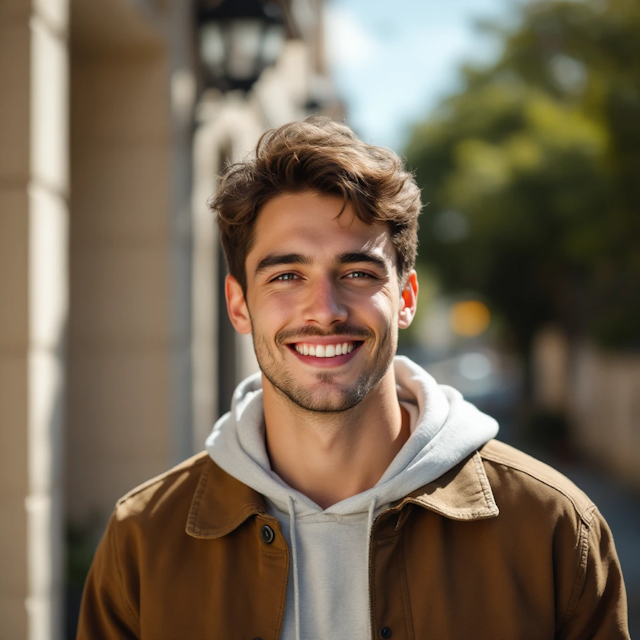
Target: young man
point(346, 494)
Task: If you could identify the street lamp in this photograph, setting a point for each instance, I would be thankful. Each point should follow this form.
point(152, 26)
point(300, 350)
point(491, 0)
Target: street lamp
point(238, 40)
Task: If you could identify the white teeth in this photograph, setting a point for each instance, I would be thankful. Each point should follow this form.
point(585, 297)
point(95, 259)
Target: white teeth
point(324, 351)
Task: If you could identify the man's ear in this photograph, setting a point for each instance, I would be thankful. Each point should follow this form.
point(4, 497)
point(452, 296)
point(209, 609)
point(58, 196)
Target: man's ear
point(237, 306)
point(408, 301)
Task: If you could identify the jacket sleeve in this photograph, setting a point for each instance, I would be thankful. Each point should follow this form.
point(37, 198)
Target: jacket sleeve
point(598, 609)
point(107, 612)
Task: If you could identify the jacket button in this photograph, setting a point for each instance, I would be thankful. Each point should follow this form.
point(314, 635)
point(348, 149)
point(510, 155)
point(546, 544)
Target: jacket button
point(385, 632)
point(266, 534)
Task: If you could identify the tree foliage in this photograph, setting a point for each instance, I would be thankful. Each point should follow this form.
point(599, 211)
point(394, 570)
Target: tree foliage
point(532, 174)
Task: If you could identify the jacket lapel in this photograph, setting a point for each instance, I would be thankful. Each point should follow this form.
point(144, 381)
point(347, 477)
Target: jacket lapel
point(463, 493)
point(221, 504)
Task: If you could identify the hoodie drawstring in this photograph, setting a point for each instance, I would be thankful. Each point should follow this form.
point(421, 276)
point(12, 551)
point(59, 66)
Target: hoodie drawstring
point(294, 553)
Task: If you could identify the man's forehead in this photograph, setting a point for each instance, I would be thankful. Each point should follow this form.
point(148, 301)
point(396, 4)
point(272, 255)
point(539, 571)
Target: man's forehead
point(320, 224)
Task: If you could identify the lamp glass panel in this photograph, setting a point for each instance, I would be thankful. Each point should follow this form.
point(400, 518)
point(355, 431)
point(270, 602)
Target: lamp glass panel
point(245, 40)
point(212, 45)
point(272, 43)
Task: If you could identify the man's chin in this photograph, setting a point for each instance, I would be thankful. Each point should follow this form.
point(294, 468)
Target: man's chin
point(324, 405)
point(325, 401)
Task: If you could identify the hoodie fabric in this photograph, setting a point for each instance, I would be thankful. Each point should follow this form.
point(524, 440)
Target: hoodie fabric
point(328, 588)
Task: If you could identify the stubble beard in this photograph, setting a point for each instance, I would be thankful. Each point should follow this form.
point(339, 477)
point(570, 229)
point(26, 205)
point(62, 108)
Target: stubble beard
point(319, 401)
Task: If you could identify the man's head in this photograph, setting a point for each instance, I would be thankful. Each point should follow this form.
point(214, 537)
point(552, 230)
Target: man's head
point(320, 237)
point(324, 157)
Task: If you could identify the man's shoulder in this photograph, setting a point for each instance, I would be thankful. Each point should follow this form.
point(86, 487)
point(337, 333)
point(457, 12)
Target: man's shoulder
point(516, 476)
point(171, 489)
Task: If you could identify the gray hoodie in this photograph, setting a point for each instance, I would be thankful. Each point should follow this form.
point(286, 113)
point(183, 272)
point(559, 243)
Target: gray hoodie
point(328, 589)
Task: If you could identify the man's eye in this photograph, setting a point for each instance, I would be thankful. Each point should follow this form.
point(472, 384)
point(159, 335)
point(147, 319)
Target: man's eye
point(357, 275)
point(283, 277)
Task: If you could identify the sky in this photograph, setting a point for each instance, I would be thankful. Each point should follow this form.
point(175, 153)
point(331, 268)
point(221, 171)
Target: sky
point(391, 61)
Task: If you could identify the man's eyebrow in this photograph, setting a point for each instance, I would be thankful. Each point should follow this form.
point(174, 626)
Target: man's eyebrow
point(276, 259)
point(362, 256)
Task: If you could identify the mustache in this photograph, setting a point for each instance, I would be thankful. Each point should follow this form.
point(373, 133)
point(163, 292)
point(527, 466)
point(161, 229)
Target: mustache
point(344, 328)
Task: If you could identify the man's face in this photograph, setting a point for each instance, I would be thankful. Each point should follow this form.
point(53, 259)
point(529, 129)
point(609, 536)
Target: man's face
point(323, 302)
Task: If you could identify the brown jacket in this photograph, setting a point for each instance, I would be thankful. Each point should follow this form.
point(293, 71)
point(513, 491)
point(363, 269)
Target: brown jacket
point(501, 547)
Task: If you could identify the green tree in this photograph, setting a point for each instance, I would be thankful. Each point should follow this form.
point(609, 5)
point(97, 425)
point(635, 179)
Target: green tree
point(532, 174)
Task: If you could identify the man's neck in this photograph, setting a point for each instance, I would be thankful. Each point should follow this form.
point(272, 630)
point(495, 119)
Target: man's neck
point(335, 455)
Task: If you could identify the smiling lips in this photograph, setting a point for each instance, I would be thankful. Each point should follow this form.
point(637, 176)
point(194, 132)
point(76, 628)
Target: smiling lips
point(324, 350)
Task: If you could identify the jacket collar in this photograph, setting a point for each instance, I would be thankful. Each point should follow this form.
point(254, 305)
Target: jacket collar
point(463, 493)
point(221, 503)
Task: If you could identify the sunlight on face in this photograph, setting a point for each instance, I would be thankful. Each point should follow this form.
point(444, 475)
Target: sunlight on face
point(316, 283)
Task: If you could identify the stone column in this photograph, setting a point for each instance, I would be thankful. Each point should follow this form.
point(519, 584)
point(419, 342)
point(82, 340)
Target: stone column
point(120, 337)
point(183, 94)
point(33, 312)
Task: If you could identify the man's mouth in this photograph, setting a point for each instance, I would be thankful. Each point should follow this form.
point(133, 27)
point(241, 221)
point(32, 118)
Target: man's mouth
point(325, 350)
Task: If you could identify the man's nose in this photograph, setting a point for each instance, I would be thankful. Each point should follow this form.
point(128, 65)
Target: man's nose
point(324, 304)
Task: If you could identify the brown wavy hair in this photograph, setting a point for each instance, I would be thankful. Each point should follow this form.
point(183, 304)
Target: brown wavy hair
point(325, 157)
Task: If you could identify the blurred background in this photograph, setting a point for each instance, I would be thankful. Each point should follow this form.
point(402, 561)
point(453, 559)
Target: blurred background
point(521, 121)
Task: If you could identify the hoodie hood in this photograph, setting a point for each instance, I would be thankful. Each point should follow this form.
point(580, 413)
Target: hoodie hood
point(445, 430)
